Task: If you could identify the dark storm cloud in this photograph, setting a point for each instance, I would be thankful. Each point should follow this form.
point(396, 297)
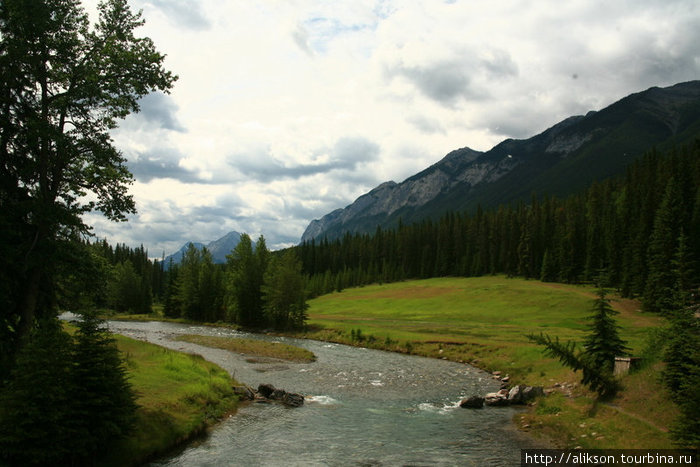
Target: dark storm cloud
point(151, 166)
point(184, 13)
point(159, 109)
point(345, 155)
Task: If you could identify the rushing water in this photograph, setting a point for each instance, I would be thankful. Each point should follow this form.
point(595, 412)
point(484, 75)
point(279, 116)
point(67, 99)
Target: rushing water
point(363, 407)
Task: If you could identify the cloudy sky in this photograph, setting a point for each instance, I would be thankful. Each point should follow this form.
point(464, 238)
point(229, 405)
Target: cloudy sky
point(288, 109)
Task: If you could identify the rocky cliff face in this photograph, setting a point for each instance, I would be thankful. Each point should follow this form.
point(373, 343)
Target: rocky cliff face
point(565, 158)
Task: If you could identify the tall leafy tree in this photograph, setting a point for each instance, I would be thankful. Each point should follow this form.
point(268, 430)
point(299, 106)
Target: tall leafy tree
point(64, 84)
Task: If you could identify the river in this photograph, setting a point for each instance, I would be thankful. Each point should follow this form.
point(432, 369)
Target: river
point(363, 407)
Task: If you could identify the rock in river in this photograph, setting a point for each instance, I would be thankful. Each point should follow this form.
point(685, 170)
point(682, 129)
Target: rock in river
point(472, 402)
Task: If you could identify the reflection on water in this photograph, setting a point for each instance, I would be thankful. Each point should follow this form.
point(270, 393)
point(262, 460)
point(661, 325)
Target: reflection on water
point(363, 407)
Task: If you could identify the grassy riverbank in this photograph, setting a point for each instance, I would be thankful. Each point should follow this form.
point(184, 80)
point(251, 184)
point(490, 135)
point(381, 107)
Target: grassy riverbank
point(252, 347)
point(179, 395)
point(485, 321)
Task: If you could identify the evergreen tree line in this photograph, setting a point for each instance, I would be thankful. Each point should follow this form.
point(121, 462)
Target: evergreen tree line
point(120, 278)
point(630, 227)
point(68, 401)
point(639, 233)
point(254, 289)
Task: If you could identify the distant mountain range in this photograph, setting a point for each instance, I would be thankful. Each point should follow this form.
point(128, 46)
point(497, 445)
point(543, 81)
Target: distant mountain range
point(560, 161)
point(218, 248)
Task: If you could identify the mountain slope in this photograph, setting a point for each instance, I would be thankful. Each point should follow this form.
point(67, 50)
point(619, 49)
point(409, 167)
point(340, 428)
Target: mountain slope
point(218, 248)
point(559, 161)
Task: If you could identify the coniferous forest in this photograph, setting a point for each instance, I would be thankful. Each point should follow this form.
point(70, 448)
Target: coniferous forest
point(634, 231)
point(630, 228)
point(67, 81)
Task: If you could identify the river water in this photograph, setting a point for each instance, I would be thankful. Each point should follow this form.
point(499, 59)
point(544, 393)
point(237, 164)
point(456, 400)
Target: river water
point(363, 407)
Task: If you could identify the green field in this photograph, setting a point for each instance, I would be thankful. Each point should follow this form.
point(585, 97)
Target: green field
point(180, 396)
point(485, 321)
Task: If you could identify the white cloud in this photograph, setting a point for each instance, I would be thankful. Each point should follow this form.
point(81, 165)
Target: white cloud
point(285, 111)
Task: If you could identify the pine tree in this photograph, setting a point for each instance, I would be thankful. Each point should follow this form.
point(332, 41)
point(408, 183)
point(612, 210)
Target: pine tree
point(682, 352)
point(603, 342)
point(549, 268)
point(597, 358)
point(662, 245)
point(243, 282)
point(284, 294)
point(188, 283)
point(103, 402)
point(37, 426)
point(124, 289)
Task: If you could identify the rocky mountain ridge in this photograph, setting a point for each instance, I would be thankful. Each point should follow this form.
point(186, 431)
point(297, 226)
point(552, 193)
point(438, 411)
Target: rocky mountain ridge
point(559, 161)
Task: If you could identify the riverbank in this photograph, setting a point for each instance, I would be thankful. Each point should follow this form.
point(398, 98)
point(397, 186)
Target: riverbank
point(179, 396)
point(484, 321)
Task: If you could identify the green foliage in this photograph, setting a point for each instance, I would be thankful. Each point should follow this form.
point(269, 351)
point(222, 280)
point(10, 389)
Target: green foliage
point(124, 292)
point(626, 226)
point(36, 416)
point(284, 293)
point(64, 85)
point(68, 400)
point(603, 343)
point(682, 350)
point(179, 395)
point(597, 358)
point(103, 403)
point(244, 280)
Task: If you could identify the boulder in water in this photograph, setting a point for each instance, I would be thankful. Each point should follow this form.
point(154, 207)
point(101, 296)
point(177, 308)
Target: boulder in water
point(266, 390)
point(291, 399)
point(496, 399)
point(515, 395)
point(472, 402)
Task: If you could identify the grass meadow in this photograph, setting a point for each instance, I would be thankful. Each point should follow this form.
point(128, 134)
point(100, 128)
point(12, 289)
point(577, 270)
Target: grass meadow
point(180, 396)
point(485, 321)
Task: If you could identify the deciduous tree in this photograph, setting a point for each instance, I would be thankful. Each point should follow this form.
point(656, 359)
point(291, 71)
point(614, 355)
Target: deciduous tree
point(64, 84)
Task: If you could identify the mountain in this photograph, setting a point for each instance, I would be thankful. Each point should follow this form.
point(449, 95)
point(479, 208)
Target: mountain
point(562, 160)
point(223, 246)
point(218, 248)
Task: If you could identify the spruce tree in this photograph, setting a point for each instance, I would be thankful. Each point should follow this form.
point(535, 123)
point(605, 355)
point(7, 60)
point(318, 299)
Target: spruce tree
point(662, 245)
point(244, 278)
point(600, 347)
point(103, 402)
point(603, 342)
point(284, 293)
point(682, 353)
point(37, 423)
